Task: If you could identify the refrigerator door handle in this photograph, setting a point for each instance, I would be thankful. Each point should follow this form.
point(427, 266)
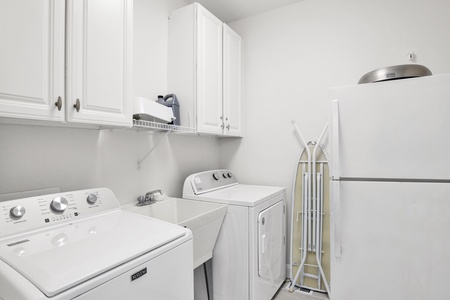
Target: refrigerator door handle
point(334, 163)
point(336, 197)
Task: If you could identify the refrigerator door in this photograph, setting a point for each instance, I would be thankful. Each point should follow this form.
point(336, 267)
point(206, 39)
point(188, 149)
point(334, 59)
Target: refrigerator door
point(394, 239)
point(397, 129)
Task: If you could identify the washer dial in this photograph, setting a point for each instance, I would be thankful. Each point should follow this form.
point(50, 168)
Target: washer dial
point(59, 204)
point(216, 176)
point(91, 199)
point(17, 212)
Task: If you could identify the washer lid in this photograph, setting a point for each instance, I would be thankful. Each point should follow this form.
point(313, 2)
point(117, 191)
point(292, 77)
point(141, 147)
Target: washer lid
point(60, 258)
point(240, 194)
point(395, 72)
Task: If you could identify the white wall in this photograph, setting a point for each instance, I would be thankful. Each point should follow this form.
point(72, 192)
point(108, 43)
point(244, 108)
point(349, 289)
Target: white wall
point(150, 45)
point(35, 157)
point(293, 54)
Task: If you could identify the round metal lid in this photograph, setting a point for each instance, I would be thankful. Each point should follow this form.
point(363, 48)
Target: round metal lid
point(395, 72)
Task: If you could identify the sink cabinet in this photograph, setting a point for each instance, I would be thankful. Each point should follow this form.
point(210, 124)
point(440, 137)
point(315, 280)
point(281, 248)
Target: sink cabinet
point(75, 69)
point(204, 71)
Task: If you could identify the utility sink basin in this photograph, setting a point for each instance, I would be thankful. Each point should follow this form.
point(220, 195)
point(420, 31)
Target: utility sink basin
point(202, 218)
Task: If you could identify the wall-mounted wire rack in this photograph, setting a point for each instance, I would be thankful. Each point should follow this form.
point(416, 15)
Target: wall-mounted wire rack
point(149, 125)
point(143, 125)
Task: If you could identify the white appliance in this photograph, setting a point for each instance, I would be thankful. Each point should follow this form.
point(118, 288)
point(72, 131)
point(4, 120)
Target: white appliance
point(250, 253)
point(81, 245)
point(390, 196)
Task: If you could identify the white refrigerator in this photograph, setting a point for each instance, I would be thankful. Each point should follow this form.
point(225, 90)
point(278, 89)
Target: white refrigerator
point(390, 190)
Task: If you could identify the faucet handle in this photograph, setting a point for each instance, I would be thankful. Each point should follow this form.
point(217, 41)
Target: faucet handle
point(150, 196)
point(140, 200)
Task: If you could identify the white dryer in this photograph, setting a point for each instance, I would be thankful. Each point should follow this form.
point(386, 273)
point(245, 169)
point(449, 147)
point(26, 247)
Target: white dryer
point(249, 258)
point(81, 245)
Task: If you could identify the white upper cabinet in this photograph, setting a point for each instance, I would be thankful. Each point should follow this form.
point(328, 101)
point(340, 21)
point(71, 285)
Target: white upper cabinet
point(50, 62)
point(232, 82)
point(203, 61)
point(32, 59)
point(209, 72)
point(99, 56)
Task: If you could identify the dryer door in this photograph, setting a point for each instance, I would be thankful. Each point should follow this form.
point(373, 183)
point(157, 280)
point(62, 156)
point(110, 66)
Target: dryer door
point(271, 242)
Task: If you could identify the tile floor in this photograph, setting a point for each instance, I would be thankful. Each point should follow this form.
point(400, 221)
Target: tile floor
point(283, 294)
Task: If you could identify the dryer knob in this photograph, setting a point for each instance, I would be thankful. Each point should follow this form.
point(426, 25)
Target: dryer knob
point(216, 176)
point(17, 212)
point(229, 175)
point(224, 175)
point(59, 204)
point(91, 199)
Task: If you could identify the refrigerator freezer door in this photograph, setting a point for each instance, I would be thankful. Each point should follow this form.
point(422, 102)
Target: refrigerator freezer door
point(394, 239)
point(397, 129)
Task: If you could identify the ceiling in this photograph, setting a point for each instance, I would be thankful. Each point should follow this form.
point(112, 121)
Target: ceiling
point(232, 10)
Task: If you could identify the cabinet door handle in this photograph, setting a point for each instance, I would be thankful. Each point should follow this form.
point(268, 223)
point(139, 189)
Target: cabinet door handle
point(59, 103)
point(77, 105)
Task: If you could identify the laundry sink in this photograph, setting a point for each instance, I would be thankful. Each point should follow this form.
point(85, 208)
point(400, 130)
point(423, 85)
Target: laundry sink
point(202, 218)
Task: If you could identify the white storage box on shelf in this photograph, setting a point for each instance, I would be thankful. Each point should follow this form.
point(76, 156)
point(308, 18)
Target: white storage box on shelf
point(151, 115)
point(148, 110)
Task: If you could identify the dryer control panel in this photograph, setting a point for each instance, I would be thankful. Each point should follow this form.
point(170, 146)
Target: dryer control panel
point(44, 211)
point(209, 181)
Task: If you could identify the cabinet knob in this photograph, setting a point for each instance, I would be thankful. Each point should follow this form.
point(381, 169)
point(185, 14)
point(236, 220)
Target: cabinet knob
point(77, 105)
point(228, 126)
point(59, 103)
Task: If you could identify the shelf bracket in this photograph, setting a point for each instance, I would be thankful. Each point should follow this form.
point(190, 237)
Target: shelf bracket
point(140, 162)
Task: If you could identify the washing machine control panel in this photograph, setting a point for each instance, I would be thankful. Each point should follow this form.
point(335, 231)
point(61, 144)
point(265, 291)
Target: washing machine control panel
point(212, 180)
point(41, 211)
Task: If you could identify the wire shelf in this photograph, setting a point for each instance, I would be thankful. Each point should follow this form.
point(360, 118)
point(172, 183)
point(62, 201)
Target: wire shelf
point(150, 125)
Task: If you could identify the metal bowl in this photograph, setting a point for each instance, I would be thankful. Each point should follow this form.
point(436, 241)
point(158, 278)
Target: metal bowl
point(395, 72)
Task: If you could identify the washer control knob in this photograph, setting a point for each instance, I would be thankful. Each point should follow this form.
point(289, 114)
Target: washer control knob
point(216, 176)
point(229, 175)
point(17, 212)
point(224, 175)
point(59, 204)
point(91, 199)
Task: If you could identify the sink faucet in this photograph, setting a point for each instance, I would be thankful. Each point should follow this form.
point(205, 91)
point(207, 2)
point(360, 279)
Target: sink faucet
point(149, 198)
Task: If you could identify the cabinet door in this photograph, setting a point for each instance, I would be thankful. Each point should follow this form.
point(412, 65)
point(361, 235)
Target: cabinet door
point(209, 72)
point(99, 57)
point(32, 59)
point(232, 82)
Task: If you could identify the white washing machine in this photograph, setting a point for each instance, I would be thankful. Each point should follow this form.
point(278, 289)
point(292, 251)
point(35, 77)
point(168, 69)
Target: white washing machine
point(81, 245)
point(249, 258)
